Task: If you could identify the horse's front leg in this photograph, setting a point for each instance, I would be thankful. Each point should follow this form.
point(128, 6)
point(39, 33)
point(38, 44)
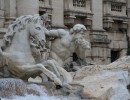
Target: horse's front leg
point(61, 73)
point(39, 67)
point(51, 65)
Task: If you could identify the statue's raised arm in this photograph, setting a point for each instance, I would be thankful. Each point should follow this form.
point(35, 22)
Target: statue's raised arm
point(51, 33)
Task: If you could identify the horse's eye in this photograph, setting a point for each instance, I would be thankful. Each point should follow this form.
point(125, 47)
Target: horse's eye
point(38, 28)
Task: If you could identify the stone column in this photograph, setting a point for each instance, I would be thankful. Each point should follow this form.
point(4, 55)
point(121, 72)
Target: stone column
point(100, 52)
point(10, 8)
point(107, 8)
point(2, 20)
point(124, 10)
point(97, 10)
point(128, 13)
point(128, 30)
point(26, 7)
point(58, 13)
point(2, 11)
point(10, 11)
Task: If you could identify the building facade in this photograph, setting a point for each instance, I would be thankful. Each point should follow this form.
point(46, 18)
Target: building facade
point(107, 22)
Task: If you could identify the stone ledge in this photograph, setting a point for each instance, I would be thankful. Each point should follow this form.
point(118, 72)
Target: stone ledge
point(3, 30)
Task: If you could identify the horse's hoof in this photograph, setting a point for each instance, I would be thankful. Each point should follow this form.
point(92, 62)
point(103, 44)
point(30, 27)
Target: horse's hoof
point(67, 86)
point(58, 82)
point(58, 87)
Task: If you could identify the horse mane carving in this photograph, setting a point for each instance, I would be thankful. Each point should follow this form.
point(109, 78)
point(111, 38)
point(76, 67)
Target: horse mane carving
point(18, 25)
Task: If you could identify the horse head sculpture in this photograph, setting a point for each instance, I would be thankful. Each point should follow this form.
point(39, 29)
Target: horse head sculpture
point(26, 26)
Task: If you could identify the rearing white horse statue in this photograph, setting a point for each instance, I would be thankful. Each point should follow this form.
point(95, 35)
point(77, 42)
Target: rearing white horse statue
point(17, 50)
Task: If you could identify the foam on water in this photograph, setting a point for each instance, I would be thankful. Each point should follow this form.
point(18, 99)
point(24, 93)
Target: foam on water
point(11, 87)
point(32, 97)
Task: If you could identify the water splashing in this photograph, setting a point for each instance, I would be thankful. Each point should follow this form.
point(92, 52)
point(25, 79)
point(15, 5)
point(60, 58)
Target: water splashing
point(11, 87)
point(16, 89)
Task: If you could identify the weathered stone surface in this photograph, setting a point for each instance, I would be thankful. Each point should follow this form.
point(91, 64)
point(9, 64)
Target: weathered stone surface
point(35, 80)
point(122, 64)
point(106, 85)
point(105, 82)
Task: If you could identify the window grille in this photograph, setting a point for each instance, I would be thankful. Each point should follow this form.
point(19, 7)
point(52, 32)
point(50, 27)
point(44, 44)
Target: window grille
point(41, 0)
point(116, 7)
point(79, 3)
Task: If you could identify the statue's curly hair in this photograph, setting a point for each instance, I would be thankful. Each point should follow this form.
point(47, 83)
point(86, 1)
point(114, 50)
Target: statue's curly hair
point(78, 27)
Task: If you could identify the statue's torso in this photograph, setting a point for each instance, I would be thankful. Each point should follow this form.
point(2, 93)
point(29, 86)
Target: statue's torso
point(63, 47)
